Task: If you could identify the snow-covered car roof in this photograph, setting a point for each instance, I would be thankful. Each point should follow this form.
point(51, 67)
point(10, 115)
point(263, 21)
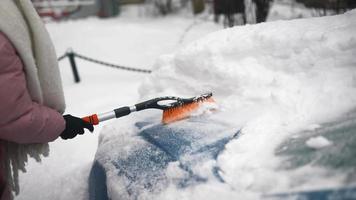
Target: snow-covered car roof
point(273, 82)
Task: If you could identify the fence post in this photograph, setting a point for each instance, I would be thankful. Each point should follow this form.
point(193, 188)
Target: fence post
point(71, 57)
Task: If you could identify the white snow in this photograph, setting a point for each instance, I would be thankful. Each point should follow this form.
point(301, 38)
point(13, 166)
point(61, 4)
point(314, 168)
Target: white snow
point(272, 80)
point(205, 108)
point(318, 142)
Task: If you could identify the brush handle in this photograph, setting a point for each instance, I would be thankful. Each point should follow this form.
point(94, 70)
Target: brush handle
point(123, 111)
point(157, 103)
point(148, 104)
point(95, 119)
point(92, 119)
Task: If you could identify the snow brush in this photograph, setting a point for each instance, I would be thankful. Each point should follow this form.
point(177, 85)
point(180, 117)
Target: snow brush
point(174, 108)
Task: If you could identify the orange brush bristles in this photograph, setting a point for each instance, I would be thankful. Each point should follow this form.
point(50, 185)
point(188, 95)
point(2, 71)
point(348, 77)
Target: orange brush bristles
point(183, 111)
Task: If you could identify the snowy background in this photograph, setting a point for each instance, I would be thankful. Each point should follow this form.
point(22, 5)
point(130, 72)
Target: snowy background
point(273, 80)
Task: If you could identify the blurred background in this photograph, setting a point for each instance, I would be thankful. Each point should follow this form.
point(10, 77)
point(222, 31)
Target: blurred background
point(227, 12)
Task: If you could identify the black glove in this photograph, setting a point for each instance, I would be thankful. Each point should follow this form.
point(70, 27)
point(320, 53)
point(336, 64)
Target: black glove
point(75, 126)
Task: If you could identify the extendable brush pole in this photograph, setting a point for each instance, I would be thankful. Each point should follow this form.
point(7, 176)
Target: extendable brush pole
point(174, 108)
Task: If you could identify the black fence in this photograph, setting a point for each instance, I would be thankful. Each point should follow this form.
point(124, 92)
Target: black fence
point(72, 55)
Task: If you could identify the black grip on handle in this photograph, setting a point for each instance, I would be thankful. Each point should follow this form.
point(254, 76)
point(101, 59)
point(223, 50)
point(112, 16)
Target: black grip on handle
point(148, 104)
point(120, 112)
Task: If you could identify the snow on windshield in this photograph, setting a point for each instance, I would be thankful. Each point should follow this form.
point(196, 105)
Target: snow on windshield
point(276, 80)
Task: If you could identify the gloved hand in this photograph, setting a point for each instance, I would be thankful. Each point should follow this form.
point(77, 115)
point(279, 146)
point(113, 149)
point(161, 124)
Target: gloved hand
point(75, 126)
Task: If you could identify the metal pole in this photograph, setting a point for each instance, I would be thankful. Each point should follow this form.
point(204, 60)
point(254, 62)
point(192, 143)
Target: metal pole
point(71, 57)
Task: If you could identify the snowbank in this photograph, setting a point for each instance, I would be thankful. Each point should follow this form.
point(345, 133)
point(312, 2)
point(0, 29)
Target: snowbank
point(274, 80)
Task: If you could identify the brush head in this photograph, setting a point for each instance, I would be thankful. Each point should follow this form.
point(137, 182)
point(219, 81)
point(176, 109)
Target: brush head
point(185, 109)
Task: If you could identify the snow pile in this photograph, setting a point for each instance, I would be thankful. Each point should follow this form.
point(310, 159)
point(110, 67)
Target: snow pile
point(273, 80)
point(318, 142)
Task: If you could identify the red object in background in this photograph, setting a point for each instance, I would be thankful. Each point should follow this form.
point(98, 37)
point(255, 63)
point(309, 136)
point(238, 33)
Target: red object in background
point(54, 15)
point(58, 9)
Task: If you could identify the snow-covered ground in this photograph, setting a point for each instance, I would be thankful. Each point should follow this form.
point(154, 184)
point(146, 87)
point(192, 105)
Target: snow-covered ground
point(128, 41)
point(273, 80)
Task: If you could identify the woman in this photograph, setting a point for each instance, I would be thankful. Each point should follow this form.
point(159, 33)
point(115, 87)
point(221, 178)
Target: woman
point(31, 95)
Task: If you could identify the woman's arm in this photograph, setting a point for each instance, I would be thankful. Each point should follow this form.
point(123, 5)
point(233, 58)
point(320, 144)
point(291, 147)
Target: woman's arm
point(21, 119)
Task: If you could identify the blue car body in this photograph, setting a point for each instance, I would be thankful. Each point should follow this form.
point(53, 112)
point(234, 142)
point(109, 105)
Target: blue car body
point(191, 142)
point(144, 169)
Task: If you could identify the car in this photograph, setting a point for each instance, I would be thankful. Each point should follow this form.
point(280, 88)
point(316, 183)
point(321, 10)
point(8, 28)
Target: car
point(155, 148)
point(285, 127)
point(184, 144)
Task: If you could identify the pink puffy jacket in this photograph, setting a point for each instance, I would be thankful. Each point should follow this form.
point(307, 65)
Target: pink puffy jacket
point(21, 120)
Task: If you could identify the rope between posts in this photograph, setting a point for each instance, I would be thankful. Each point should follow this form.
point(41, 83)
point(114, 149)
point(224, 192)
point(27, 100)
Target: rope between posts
point(111, 65)
point(62, 57)
point(103, 63)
